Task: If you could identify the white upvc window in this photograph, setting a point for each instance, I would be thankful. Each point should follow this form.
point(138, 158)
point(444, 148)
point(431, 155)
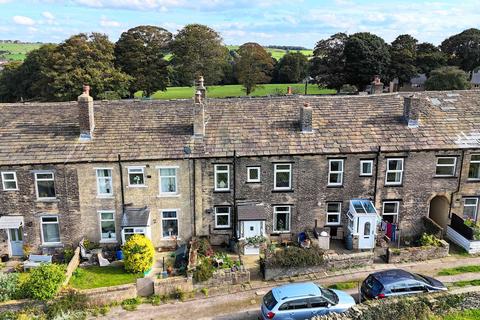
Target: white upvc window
point(282, 176)
point(281, 218)
point(104, 182)
point(130, 231)
point(222, 177)
point(136, 176)
point(394, 172)
point(50, 230)
point(366, 168)
point(470, 208)
point(168, 180)
point(334, 211)
point(474, 169)
point(446, 166)
point(9, 181)
point(222, 217)
point(253, 174)
point(390, 211)
point(169, 223)
point(107, 226)
point(45, 185)
point(335, 172)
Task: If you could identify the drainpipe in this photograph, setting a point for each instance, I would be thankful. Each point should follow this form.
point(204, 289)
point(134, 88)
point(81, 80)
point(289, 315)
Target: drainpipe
point(121, 181)
point(379, 150)
point(459, 180)
point(234, 211)
point(194, 200)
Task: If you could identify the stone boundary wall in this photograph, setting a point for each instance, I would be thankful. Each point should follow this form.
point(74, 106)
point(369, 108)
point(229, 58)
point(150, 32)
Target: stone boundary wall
point(17, 305)
point(331, 262)
point(72, 265)
point(106, 295)
point(170, 285)
point(226, 277)
point(431, 227)
point(413, 254)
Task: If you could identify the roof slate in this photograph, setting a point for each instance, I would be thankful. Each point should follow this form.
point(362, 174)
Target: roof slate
point(142, 130)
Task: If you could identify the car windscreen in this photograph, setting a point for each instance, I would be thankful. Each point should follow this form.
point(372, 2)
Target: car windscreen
point(423, 279)
point(329, 295)
point(269, 300)
point(373, 286)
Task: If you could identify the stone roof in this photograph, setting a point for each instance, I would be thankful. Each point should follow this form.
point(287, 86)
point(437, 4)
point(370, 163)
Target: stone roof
point(142, 130)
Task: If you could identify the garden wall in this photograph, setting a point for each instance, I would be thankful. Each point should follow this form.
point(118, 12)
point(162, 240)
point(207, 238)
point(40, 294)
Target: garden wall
point(72, 265)
point(431, 227)
point(111, 294)
point(17, 305)
point(412, 254)
point(225, 277)
point(331, 262)
point(170, 285)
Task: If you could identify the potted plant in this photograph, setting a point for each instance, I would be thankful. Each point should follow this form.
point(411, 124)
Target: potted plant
point(252, 245)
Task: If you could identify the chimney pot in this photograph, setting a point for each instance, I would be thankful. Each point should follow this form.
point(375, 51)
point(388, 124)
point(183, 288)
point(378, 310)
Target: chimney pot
point(411, 110)
point(200, 87)
point(86, 118)
point(86, 89)
point(306, 116)
point(289, 90)
point(377, 85)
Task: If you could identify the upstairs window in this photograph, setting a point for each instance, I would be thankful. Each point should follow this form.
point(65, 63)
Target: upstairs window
point(446, 166)
point(222, 217)
point(136, 176)
point(104, 182)
point(335, 172)
point(253, 174)
point(9, 181)
point(474, 170)
point(281, 218)
point(470, 207)
point(45, 183)
point(168, 181)
point(334, 210)
point(282, 176)
point(366, 168)
point(222, 177)
point(394, 173)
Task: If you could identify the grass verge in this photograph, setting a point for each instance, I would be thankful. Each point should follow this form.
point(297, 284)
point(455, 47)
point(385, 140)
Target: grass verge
point(344, 285)
point(466, 283)
point(473, 314)
point(97, 277)
point(459, 270)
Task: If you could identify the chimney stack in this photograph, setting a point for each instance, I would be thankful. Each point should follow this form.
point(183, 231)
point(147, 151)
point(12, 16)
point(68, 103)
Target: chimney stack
point(411, 111)
point(377, 85)
point(85, 114)
point(198, 115)
point(306, 118)
point(289, 90)
point(199, 86)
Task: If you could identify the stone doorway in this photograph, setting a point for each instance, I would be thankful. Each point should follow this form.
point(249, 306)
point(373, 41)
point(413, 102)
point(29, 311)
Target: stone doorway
point(439, 207)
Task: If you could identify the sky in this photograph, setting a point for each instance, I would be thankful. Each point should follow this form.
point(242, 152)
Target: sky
point(278, 22)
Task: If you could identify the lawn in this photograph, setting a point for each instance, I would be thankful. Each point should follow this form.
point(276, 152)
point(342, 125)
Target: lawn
point(236, 90)
point(96, 277)
point(279, 53)
point(466, 283)
point(459, 270)
point(473, 314)
point(17, 51)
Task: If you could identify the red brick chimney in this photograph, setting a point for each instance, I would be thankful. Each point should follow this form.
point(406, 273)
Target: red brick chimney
point(86, 119)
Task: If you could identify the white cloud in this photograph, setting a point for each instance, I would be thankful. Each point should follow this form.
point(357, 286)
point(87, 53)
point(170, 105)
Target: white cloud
point(105, 22)
point(24, 21)
point(48, 15)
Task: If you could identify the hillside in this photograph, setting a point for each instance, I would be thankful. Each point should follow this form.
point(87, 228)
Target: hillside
point(16, 51)
point(279, 53)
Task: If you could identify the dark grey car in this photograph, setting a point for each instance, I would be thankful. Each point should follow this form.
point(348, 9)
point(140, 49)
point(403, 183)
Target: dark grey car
point(397, 282)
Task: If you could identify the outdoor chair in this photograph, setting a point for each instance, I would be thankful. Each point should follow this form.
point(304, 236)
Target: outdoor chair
point(35, 260)
point(84, 254)
point(101, 260)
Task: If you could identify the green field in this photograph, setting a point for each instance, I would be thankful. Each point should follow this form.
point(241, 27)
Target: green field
point(237, 91)
point(279, 53)
point(16, 51)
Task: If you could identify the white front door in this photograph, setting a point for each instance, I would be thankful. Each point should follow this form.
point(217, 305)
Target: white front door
point(366, 234)
point(252, 228)
point(16, 241)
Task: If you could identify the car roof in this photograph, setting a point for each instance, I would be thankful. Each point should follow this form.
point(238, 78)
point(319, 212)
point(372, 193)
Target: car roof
point(296, 290)
point(393, 275)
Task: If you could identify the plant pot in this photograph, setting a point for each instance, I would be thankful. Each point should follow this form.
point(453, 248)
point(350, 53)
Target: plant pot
point(169, 270)
point(251, 250)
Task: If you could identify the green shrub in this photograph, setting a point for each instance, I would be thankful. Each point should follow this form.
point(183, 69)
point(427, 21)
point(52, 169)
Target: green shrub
point(71, 315)
point(8, 286)
point(44, 281)
point(71, 300)
point(68, 254)
point(204, 271)
point(205, 291)
point(138, 254)
point(295, 257)
point(204, 248)
point(131, 304)
point(430, 240)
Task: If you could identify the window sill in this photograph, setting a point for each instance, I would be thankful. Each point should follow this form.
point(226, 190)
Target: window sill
point(222, 191)
point(139, 186)
point(276, 233)
point(48, 200)
point(170, 239)
point(366, 175)
point(445, 177)
point(333, 224)
point(105, 197)
point(222, 228)
point(282, 190)
point(51, 244)
point(473, 180)
point(334, 185)
point(176, 195)
point(393, 185)
point(10, 190)
point(108, 241)
point(253, 182)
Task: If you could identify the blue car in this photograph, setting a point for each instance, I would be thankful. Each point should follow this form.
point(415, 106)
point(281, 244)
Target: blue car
point(301, 301)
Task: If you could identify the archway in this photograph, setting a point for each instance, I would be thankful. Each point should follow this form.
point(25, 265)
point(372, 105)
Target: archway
point(439, 210)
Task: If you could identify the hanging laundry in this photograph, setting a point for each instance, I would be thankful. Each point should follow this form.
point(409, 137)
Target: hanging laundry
point(389, 230)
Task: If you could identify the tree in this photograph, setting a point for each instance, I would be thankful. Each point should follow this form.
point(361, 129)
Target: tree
point(463, 49)
point(140, 52)
point(292, 68)
point(9, 78)
point(254, 66)
point(429, 57)
point(197, 50)
point(138, 254)
point(403, 57)
point(366, 55)
point(447, 78)
point(328, 64)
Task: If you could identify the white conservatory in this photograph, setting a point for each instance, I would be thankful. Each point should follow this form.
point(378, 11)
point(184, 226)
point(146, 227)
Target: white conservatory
point(362, 223)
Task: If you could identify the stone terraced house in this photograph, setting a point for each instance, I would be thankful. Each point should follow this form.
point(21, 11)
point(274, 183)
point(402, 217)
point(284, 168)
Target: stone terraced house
point(233, 168)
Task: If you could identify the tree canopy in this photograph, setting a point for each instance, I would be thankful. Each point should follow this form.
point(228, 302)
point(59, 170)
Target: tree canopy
point(403, 58)
point(447, 78)
point(429, 57)
point(463, 49)
point(292, 68)
point(253, 66)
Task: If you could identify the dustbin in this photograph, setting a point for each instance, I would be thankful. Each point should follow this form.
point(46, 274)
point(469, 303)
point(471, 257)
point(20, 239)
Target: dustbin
point(119, 254)
point(349, 242)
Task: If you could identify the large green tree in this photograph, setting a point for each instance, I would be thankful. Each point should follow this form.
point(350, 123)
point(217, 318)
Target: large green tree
point(253, 66)
point(328, 63)
point(463, 49)
point(403, 57)
point(9, 78)
point(429, 57)
point(291, 68)
point(366, 55)
point(447, 78)
point(140, 52)
point(197, 50)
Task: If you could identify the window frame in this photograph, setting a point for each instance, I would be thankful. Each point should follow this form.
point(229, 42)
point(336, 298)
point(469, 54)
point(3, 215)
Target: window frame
point(476, 207)
point(249, 179)
point(469, 166)
point(43, 179)
point(167, 194)
point(41, 229)
point(216, 171)
point(330, 172)
point(387, 171)
point(228, 214)
point(104, 195)
point(100, 220)
point(176, 218)
point(337, 213)
point(396, 214)
point(275, 218)
point(275, 171)
point(129, 172)
point(3, 173)
point(454, 165)
point(363, 174)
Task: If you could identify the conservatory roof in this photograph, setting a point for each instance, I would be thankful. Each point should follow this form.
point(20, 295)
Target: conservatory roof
point(362, 207)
